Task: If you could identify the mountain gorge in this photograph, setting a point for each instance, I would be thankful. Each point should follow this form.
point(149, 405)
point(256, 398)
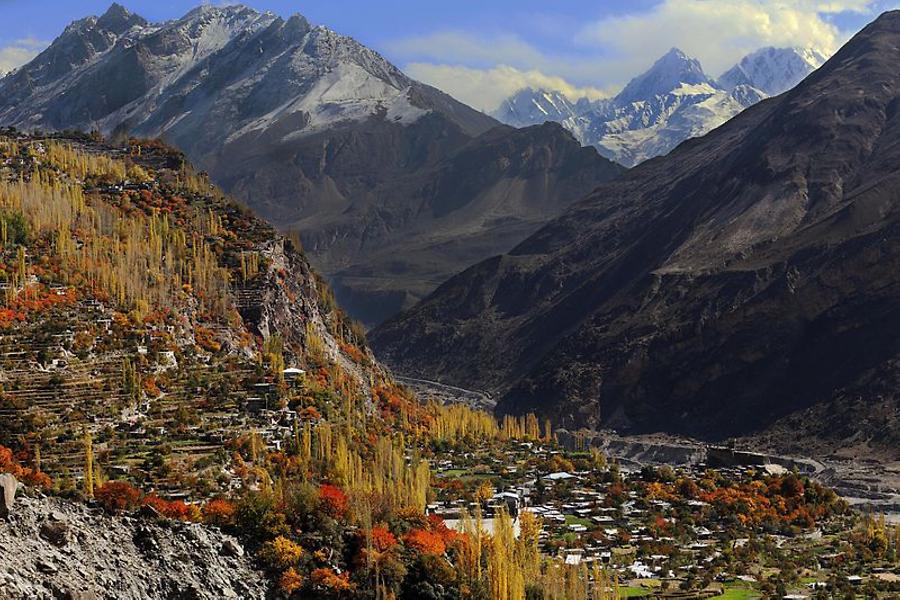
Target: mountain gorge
point(395, 244)
point(673, 101)
point(285, 115)
point(746, 282)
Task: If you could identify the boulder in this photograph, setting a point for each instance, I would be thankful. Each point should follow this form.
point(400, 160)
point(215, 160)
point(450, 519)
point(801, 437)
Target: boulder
point(45, 566)
point(66, 592)
point(148, 512)
point(231, 548)
point(145, 540)
point(55, 531)
point(79, 595)
point(8, 487)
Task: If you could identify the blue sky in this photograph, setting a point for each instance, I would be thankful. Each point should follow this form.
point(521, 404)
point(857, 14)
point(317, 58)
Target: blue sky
point(482, 50)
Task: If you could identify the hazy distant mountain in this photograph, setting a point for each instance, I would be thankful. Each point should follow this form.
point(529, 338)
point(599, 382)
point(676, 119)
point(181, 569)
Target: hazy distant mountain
point(310, 128)
point(772, 70)
point(531, 107)
point(748, 281)
point(671, 102)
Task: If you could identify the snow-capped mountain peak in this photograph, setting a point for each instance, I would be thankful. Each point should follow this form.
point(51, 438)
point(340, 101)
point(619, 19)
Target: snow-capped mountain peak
point(672, 101)
point(255, 68)
point(529, 106)
point(670, 72)
point(773, 70)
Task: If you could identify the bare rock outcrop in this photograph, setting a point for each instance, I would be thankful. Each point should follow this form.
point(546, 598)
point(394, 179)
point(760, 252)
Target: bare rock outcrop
point(8, 487)
point(54, 548)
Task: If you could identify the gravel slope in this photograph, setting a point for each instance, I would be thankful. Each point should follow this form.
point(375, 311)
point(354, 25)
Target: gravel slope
point(52, 548)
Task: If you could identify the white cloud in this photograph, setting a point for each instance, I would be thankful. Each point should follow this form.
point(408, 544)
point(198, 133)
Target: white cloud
point(584, 67)
point(19, 52)
point(720, 32)
point(481, 69)
point(465, 48)
point(485, 89)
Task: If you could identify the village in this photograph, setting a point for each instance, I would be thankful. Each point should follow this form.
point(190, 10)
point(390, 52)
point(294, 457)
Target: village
point(651, 526)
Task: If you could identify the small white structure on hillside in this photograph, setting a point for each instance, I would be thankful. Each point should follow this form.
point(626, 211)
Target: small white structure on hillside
point(292, 373)
point(559, 476)
point(487, 525)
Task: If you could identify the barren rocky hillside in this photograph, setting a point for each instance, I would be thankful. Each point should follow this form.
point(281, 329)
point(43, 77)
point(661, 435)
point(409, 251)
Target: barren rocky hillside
point(745, 280)
point(54, 548)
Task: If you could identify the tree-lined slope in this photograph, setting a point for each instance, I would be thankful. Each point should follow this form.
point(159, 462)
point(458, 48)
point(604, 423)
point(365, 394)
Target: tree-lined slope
point(749, 276)
point(138, 303)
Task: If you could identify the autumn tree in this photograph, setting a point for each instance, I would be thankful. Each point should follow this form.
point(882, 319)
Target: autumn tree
point(88, 465)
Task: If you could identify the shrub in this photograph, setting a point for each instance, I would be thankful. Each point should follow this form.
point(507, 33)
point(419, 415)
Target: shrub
point(117, 496)
point(219, 512)
point(282, 553)
point(256, 517)
point(330, 580)
point(28, 476)
point(332, 500)
point(290, 581)
point(175, 509)
point(36, 479)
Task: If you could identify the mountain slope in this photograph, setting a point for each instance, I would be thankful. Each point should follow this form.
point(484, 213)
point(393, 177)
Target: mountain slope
point(727, 288)
point(391, 246)
point(671, 102)
point(285, 116)
point(137, 301)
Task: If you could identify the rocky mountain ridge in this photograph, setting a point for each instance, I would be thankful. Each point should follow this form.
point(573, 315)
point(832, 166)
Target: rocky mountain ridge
point(745, 282)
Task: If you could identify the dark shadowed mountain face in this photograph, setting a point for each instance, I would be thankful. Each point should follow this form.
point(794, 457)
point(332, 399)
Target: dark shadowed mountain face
point(315, 132)
point(747, 281)
point(397, 237)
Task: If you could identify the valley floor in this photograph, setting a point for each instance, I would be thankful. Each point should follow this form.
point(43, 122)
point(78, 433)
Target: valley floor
point(867, 483)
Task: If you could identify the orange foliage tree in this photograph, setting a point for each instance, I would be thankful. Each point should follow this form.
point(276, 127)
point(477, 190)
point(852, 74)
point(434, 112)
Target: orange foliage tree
point(171, 509)
point(219, 512)
point(425, 542)
point(290, 581)
point(118, 496)
point(330, 580)
point(32, 477)
point(382, 539)
point(332, 500)
point(282, 552)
